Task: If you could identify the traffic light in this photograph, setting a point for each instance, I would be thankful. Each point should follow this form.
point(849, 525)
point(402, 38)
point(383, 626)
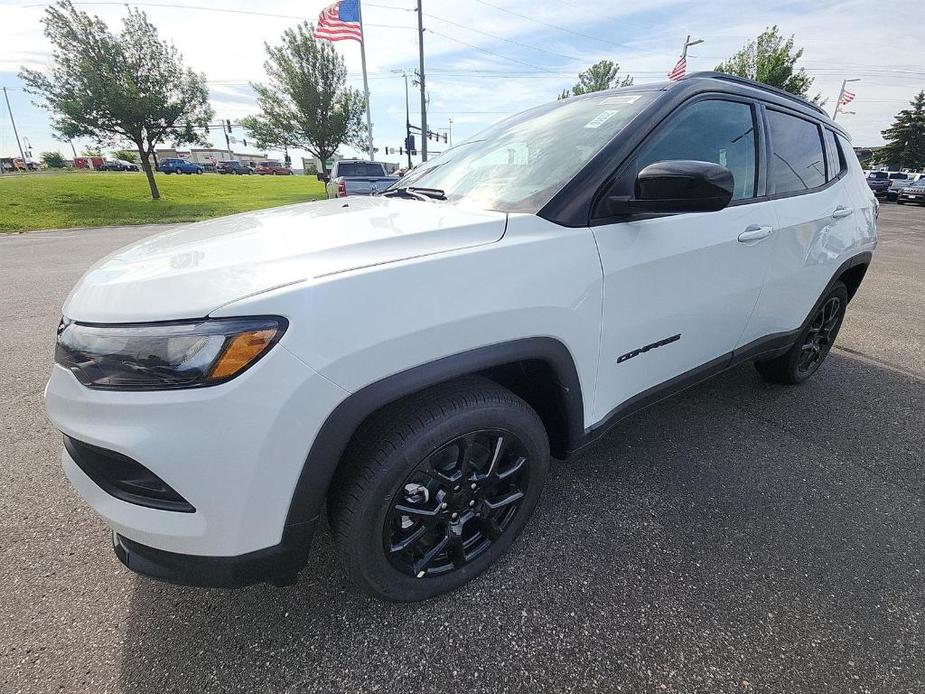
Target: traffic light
point(228, 125)
point(409, 143)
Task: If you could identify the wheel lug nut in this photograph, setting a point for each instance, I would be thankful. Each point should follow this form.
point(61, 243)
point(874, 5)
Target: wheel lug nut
point(456, 488)
point(455, 516)
point(474, 485)
point(420, 574)
point(472, 503)
point(444, 505)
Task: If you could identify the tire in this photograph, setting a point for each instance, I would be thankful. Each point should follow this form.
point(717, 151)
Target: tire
point(814, 343)
point(409, 457)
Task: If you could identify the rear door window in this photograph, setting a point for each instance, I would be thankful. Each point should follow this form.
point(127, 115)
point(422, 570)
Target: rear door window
point(797, 158)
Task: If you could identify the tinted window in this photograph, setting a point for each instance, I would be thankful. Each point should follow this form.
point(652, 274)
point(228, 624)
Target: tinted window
point(797, 161)
point(720, 132)
point(359, 168)
point(834, 161)
point(878, 175)
point(900, 176)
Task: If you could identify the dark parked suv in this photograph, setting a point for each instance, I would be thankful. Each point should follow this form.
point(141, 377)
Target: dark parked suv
point(233, 167)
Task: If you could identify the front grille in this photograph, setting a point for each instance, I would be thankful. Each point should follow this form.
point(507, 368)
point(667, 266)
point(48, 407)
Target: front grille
point(124, 478)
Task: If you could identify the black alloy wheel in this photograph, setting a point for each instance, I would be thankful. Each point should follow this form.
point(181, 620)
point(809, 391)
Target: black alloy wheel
point(436, 487)
point(821, 335)
point(815, 341)
point(456, 503)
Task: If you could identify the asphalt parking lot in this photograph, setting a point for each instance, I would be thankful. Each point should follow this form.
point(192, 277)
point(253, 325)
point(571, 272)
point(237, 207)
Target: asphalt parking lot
point(740, 537)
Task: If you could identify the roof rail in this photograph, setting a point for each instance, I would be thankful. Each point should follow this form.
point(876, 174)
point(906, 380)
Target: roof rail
point(757, 85)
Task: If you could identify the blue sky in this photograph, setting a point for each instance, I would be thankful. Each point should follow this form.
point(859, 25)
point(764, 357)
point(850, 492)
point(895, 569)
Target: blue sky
point(488, 58)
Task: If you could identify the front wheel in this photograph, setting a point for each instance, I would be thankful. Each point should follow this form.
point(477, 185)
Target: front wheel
point(436, 488)
point(813, 344)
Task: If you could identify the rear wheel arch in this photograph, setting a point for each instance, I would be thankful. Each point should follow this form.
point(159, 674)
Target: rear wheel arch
point(520, 365)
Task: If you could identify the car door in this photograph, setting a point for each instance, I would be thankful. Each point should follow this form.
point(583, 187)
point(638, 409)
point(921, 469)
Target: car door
point(816, 219)
point(679, 289)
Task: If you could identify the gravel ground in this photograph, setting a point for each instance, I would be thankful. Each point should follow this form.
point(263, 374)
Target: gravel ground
point(738, 538)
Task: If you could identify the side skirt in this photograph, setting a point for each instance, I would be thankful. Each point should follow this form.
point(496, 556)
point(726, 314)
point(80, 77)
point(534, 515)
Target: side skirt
point(766, 347)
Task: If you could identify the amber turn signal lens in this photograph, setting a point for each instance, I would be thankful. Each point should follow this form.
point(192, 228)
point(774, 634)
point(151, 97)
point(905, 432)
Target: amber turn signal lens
point(241, 351)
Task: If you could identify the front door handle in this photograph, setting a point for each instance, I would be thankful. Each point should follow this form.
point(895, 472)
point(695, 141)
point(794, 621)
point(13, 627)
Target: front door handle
point(841, 212)
point(755, 232)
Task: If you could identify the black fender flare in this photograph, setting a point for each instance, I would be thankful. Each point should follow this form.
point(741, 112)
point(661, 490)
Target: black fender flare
point(341, 424)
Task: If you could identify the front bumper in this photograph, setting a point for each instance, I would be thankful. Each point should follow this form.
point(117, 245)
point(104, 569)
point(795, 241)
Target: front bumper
point(278, 564)
point(234, 451)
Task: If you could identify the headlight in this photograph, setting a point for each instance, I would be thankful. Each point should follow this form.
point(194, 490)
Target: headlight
point(158, 356)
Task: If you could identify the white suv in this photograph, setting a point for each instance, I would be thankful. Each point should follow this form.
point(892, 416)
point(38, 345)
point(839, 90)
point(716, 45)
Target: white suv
point(412, 360)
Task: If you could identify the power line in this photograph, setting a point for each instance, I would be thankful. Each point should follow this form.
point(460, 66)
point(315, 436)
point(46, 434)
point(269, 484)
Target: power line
point(502, 38)
point(488, 52)
point(227, 10)
point(561, 28)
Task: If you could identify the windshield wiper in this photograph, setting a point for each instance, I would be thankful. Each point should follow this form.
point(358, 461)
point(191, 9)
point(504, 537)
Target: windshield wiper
point(434, 193)
point(402, 193)
point(416, 193)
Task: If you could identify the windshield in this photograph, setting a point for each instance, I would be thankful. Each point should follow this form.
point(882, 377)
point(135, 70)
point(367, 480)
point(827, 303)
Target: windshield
point(520, 163)
point(359, 168)
point(878, 175)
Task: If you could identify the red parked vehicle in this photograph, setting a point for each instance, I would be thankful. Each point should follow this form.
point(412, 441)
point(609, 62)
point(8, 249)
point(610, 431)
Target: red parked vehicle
point(273, 168)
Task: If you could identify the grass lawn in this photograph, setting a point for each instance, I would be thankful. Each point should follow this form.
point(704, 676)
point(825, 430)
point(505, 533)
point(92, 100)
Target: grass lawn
point(96, 198)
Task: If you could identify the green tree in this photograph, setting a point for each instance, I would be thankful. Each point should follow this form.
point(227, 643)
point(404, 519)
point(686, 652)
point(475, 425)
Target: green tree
point(53, 160)
point(599, 77)
point(771, 59)
point(905, 138)
point(307, 103)
point(129, 86)
point(126, 155)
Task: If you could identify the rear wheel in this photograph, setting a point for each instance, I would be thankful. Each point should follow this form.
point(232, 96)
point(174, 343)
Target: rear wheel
point(813, 344)
point(436, 488)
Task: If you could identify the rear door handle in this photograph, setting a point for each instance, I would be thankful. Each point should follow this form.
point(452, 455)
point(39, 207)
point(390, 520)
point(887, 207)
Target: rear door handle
point(755, 232)
point(842, 212)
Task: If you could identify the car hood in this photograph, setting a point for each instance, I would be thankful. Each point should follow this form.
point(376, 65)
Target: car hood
point(194, 269)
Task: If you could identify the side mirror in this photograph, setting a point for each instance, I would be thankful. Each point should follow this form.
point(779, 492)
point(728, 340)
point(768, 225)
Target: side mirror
point(677, 186)
point(323, 177)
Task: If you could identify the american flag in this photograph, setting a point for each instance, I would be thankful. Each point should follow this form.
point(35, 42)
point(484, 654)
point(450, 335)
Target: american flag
point(679, 70)
point(340, 22)
point(846, 98)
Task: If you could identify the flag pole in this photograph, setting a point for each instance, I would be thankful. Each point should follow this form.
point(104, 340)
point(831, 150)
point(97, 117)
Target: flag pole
point(841, 93)
point(369, 118)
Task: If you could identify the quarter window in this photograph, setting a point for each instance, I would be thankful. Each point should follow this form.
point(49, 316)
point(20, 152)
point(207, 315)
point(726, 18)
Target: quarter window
point(797, 160)
point(713, 130)
point(835, 163)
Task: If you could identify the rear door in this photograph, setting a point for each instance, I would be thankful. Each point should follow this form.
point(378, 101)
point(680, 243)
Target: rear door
point(679, 289)
point(815, 212)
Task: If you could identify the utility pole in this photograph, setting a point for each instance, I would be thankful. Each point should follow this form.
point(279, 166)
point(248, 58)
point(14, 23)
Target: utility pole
point(407, 118)
point(71, 143)
point(841, 93)
point(421, 80)
point(369, 118)
point(16, 133)
point(450, 133)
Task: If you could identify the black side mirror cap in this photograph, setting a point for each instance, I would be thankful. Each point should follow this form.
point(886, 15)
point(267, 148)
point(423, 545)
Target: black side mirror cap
point(677, 186)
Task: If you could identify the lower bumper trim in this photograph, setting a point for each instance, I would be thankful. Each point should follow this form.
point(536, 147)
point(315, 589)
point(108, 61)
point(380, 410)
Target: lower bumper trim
point(278, 564)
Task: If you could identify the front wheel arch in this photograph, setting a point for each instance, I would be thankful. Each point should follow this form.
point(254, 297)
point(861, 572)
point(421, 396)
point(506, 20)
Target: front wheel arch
point(347, 418)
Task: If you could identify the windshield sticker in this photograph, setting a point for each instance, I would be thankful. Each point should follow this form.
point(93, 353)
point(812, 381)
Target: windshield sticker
point(601, 118)
point(624, 99)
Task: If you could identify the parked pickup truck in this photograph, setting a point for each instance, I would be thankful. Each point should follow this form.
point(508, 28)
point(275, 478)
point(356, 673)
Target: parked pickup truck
point(356, 177)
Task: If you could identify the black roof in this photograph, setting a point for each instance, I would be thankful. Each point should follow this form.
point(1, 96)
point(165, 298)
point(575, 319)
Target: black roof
point(756, 85)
